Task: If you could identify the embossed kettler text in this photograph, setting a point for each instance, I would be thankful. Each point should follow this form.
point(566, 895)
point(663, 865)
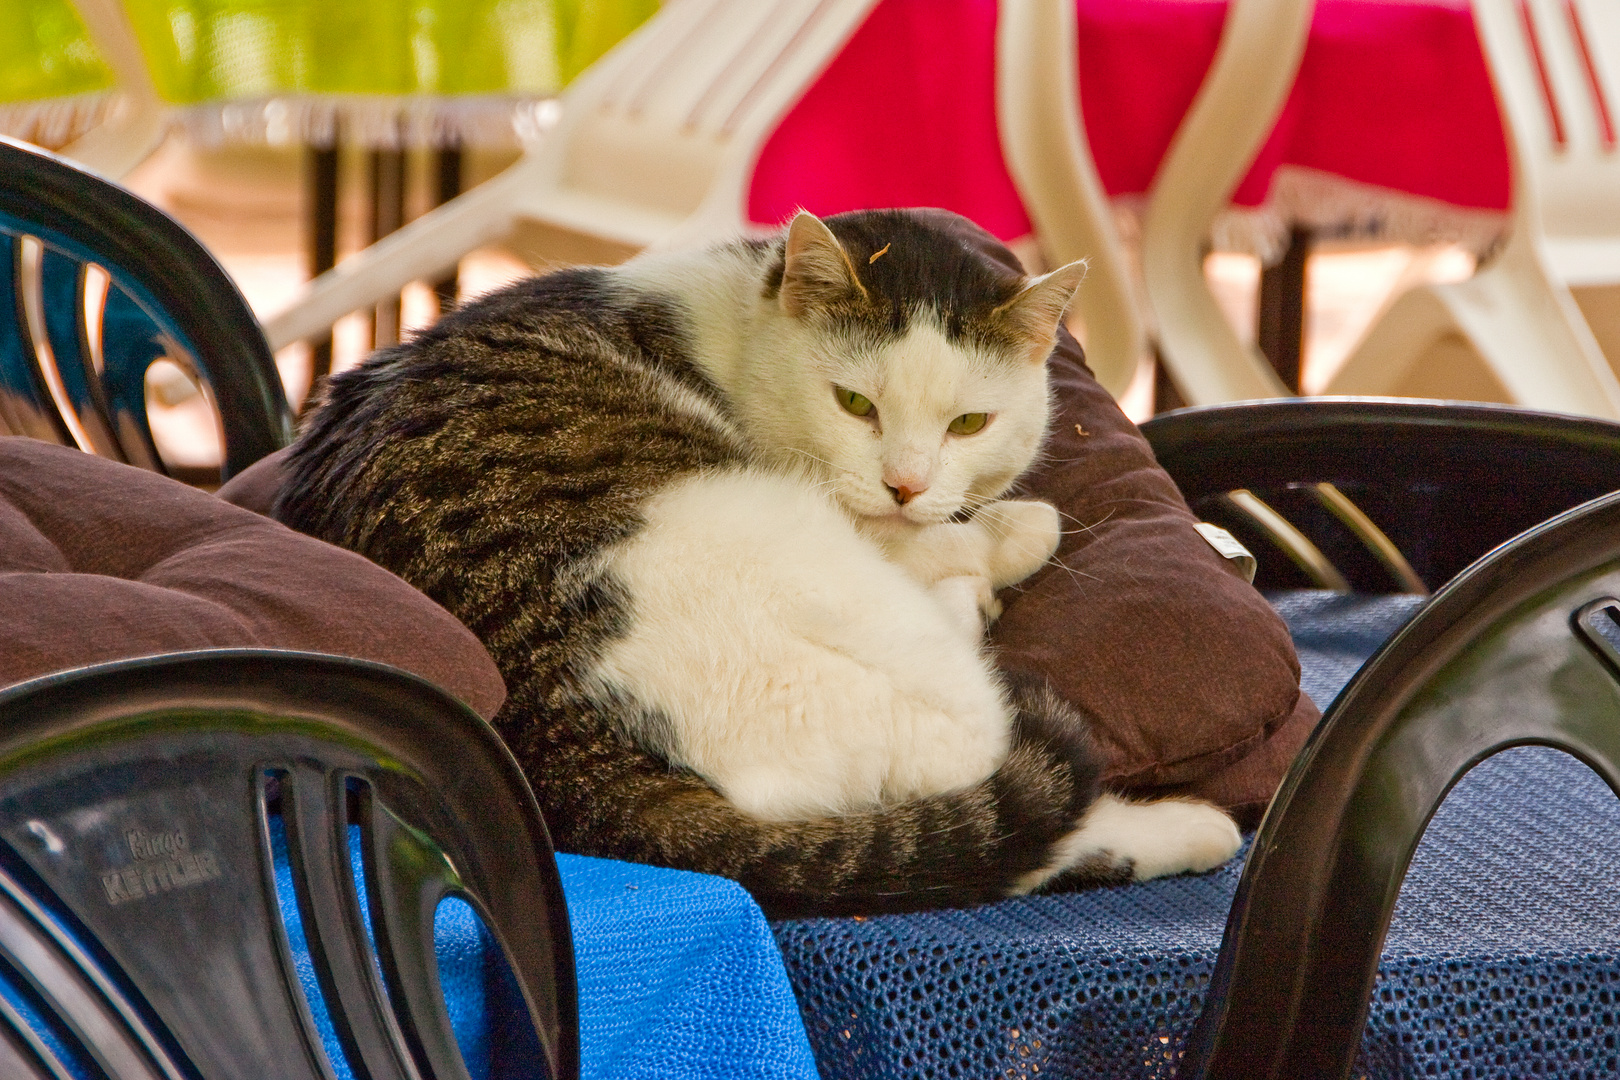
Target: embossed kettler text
point(164, 861)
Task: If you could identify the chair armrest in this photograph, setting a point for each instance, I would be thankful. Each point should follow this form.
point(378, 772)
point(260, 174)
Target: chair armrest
point(1444, 482)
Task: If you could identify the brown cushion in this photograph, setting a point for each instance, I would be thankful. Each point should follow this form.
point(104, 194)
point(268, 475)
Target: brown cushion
point(255, 487)
point(1190, 675)
point(101, 561)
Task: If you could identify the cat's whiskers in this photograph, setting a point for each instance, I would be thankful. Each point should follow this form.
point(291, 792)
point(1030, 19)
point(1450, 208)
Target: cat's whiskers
point(823, 480)
point(1083, 526)
point(813, 457)
point(1071, 571)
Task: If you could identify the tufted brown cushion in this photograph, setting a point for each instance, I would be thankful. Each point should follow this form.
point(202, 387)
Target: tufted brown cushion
point(1190, 675)
point(101, 561)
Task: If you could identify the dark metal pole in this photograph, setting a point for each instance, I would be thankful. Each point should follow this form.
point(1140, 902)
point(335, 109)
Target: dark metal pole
point(321, 190)
point(387, 215)
point(448, 162)
point(1280, 320)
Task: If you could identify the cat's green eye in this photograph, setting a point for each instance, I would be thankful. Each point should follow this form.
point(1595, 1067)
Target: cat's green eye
point(853, 403)
point(969, 423)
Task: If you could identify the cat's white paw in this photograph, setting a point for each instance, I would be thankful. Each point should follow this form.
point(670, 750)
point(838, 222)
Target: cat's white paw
point(971, 602)
point(1171, 836)
point(1027, 533)
point(1152, 839)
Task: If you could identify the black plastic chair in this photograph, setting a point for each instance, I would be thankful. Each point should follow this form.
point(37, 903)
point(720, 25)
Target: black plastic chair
point(75, 373)
point(1423, 485)
point(138, 900)
point(1522, 647)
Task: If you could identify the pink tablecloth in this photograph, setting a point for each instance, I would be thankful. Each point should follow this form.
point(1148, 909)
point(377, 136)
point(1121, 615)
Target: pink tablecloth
point(1391, 129)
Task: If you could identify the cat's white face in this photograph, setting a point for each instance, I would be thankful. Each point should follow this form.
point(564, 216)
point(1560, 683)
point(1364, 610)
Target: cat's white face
point(872, 396)
point(916, 428)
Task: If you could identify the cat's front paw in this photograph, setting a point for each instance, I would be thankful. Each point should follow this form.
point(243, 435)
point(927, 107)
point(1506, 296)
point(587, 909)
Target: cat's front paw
point(971, 602)
point(1026, 534)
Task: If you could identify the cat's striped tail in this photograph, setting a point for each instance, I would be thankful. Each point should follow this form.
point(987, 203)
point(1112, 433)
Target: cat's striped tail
point(978, 844)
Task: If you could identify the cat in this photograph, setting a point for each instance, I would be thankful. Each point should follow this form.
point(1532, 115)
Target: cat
point(731, 521)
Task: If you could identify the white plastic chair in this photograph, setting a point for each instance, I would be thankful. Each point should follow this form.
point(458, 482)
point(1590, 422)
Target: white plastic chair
point(1261, 45)
point(1517, 314)
point(654, 147)
point(138, 118)
point(1043, 138)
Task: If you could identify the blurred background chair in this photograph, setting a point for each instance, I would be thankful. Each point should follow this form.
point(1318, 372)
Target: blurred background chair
point(1253, 70)
point(390, 79)
point(653, 146)
point(54, 84)
point(136, 119)
point(1556, 68)
point(1044, 140)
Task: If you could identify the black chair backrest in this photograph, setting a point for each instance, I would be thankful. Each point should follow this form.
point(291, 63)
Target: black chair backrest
point(1521, 648)
point(1444, 482)
point(138, 899)
point(71, 375)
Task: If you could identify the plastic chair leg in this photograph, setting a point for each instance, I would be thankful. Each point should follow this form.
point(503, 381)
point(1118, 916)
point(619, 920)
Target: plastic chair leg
point(1399, 337)
point(128, 137)
point(1527, 330)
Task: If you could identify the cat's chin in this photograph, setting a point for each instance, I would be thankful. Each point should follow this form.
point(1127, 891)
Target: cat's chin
point(899, 517)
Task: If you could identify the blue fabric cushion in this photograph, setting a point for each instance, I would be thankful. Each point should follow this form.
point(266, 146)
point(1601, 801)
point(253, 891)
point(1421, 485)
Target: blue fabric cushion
point(679, 978)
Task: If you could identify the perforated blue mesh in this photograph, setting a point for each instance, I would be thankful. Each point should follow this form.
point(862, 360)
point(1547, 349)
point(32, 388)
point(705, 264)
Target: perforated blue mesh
point(1503, 959)
point(1335, 633)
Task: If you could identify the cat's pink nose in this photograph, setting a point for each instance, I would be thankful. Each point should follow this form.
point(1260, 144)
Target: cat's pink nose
point(904, 493)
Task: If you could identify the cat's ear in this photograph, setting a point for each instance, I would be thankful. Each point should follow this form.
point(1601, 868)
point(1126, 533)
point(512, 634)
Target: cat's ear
point(816, 270)
point(1035, 312)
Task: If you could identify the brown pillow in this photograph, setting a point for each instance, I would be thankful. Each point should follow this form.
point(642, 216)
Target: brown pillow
point(101, 561)
point(1190, 675)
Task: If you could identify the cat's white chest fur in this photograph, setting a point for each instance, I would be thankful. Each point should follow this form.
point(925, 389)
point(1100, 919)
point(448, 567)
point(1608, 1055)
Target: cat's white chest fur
point(797, 668)
point(806, 631)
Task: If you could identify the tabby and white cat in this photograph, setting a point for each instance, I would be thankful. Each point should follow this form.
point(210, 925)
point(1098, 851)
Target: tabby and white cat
point(729, 521)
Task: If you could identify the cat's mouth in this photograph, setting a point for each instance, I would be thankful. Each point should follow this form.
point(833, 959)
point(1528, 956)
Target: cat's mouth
point(909, 514)
point(862, 501)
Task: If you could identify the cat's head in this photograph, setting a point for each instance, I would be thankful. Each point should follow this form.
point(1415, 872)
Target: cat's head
point(904, 369)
